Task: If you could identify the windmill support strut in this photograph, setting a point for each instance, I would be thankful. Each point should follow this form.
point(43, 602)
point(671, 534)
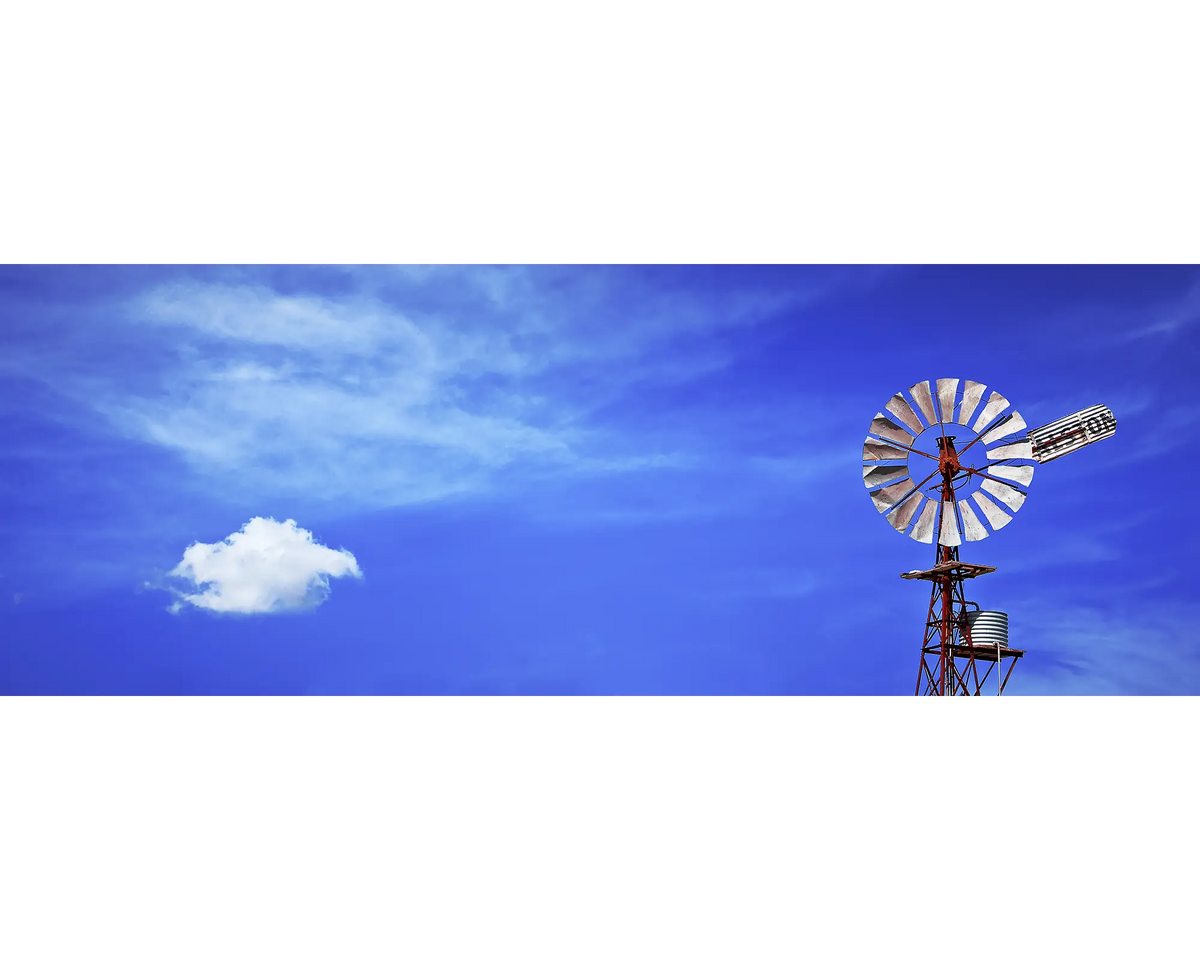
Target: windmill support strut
point(950, 659)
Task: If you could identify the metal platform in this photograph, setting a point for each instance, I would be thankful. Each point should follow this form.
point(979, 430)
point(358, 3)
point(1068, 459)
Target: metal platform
point(954, 570)
point(981, 651)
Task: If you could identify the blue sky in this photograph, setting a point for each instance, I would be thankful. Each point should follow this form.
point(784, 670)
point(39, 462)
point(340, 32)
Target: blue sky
point(588, 480)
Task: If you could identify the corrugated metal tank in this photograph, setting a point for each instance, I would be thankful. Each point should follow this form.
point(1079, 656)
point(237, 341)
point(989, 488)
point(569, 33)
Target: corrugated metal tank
point(988, 626)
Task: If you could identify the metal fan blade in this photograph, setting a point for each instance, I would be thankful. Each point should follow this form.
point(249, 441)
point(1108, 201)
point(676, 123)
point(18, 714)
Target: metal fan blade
point(874, 476)
point(903, 514)
point(902, 411)
point(878, 450)
point(1011, 451)
point(946, 389)
point(1021, 475)
point(972, 392)
point(948, 535)
point(972, 528)
point(922, 532)
point(1071, 432)
point(881, 426)
point(887, 497)
point(1014, 423)
point(1005, 494)
point(991, 410)
point(920, 393)
point(995, 516)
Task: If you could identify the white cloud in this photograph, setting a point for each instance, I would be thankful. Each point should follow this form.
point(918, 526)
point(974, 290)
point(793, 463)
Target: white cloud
point(351, 398)
point(389, 387)
point(266, 567)
point(1093, 650)
point(1171, 317)
point(255, 315)
point(330, 397)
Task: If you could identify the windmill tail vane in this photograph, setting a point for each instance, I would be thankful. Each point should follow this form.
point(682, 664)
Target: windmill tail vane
point(981, 458)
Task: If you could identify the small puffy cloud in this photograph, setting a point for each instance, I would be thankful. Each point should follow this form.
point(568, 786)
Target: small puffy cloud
point(266, 567)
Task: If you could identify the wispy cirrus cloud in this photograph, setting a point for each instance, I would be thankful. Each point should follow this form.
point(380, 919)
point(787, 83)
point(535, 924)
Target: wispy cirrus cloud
point(1097, 649)
point(393, 386)
point(1170, 317)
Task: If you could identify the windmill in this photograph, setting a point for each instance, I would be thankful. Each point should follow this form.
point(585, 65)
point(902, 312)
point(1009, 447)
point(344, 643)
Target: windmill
point(985, 466)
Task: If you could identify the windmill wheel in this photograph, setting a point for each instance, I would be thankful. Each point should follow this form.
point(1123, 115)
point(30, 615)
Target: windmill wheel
point(901, 461)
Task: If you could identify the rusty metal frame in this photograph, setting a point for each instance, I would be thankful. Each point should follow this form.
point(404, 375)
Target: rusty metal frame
point(947, 641)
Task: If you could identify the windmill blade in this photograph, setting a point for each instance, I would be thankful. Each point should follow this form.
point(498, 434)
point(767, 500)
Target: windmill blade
point(875, 476)
point(948, 536)
point(903, 514)
point(995, 516)
point(920, 393)
point(1022, 475)
point(946, 389)
point(902, 411)
point(972, 393)
point(1005, 494)
point(1012, 451)
point(1014, 423)
point(972, 528)
point(881, 426)
point(922, 532)
point(887, 497)
point(1069, 433)
point(878, 450)
point(991, 410)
